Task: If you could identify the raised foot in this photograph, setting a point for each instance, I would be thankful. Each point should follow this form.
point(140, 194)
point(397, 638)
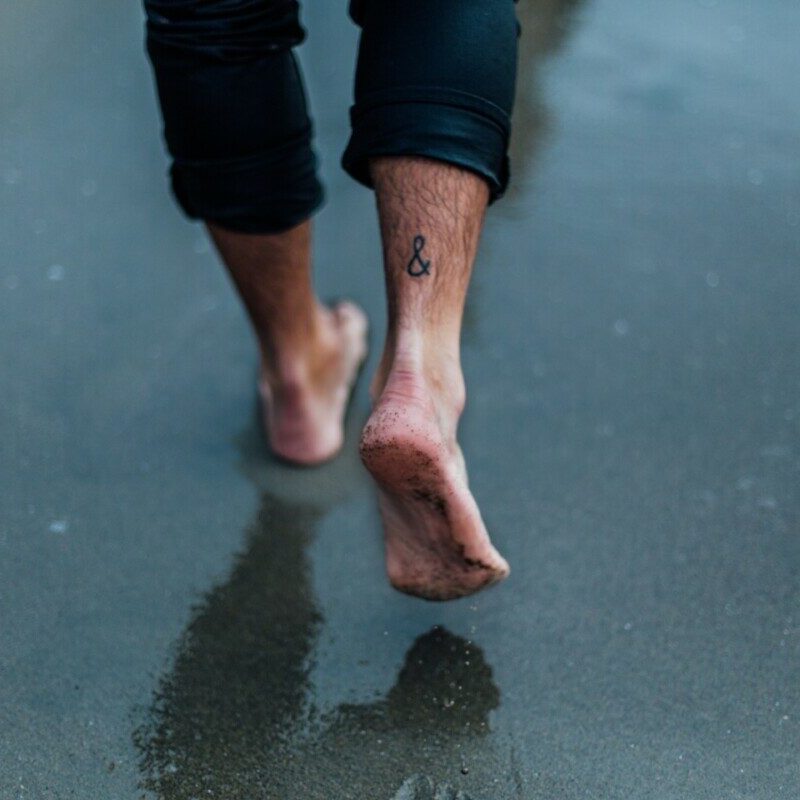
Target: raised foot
point(304, 417)
point(437, 546)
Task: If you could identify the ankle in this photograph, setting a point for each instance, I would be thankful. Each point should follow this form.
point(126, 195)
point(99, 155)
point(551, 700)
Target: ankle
point(298, 360)
point(287, 377)
point(432, 372)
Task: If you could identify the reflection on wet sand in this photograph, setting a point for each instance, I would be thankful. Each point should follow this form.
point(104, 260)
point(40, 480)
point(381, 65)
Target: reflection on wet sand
point(239, 683)
point(546, 24)
point(428, 737)
point(233, 717)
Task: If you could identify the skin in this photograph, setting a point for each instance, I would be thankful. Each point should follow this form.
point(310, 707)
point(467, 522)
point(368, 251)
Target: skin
point(437, 546)
point(310, 354)
point(431, 215)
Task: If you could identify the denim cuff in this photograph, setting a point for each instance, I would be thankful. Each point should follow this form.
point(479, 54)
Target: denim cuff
point(446, 125)
point(269, 192)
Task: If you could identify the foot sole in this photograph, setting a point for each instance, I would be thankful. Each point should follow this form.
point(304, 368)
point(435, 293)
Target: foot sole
point(437, 547)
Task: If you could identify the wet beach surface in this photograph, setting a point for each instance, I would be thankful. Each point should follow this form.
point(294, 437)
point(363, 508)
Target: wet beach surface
point(183, 617)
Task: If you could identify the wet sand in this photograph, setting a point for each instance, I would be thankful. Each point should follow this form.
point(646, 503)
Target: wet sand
point(183, 617)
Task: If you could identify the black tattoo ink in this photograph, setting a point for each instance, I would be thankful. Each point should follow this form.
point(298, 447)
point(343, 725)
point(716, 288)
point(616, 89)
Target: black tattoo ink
point(424, 267)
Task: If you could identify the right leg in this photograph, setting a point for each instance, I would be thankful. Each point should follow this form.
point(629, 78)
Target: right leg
point(434, 89)
point(236, 125)
point(437, 546)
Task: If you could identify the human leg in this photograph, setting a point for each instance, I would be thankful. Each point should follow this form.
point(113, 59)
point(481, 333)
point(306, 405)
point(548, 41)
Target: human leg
point(437, 546)
point(310, 354)
point(430, 130)
point(237, 128)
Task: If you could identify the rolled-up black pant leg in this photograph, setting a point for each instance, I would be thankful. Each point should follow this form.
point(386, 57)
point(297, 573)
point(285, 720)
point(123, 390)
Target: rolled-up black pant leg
point(435, 78)
point(234, 109)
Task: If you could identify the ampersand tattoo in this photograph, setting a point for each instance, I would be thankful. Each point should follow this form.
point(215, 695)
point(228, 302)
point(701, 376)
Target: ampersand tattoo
point(417, 266)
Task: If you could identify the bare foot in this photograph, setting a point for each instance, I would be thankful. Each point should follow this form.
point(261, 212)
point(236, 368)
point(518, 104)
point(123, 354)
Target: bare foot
point(304, 403)
point(437, 546)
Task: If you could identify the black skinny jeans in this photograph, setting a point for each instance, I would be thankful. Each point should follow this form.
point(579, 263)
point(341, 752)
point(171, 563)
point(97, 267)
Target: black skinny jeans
point(434, 78)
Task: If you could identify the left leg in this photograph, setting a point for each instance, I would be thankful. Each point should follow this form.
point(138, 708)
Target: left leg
point(310, 354)
point(237, 128)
